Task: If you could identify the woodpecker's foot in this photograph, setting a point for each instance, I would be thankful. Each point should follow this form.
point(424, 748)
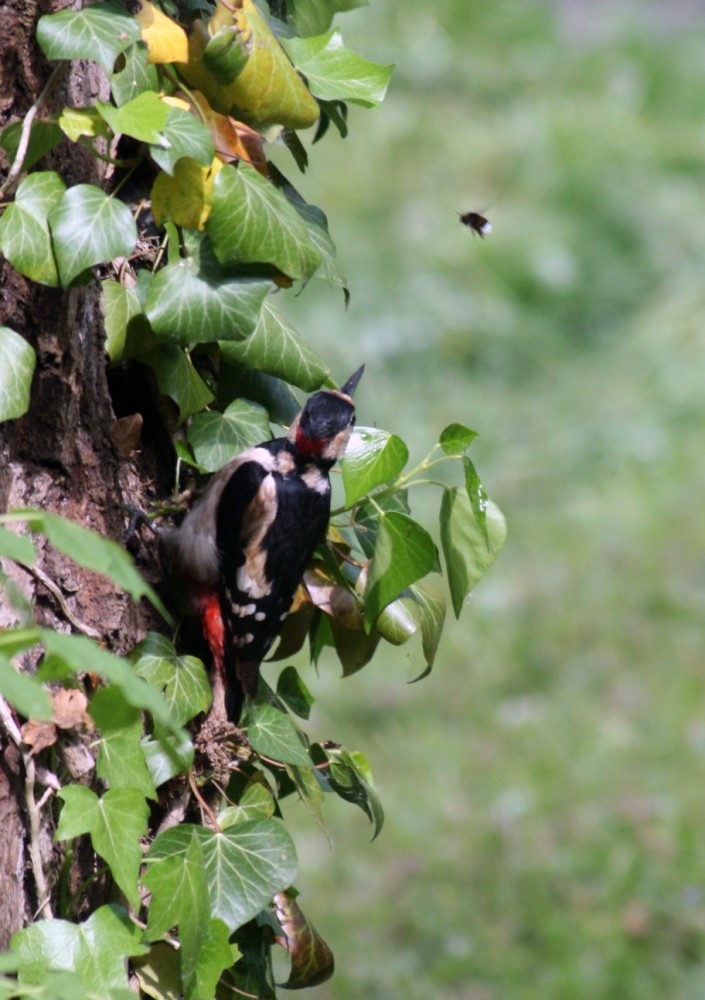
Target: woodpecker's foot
point(137, 517)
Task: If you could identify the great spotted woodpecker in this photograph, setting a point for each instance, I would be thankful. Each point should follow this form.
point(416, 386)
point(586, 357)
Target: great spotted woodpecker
point(244, 547)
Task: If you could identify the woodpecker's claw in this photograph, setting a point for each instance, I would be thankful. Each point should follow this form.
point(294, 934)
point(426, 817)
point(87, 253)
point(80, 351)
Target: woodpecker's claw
point(137, 517)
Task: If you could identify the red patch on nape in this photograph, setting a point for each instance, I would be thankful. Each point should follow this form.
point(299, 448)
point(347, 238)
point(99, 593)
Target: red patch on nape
point(309, 447)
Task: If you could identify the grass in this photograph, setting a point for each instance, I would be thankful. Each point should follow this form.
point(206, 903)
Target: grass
point(544, 788)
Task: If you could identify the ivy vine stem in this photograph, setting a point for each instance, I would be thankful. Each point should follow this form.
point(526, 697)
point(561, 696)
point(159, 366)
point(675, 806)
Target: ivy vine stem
point(23, 144)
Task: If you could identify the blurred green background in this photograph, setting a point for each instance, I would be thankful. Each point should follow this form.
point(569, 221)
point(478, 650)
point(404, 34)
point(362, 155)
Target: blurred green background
point(545, 786)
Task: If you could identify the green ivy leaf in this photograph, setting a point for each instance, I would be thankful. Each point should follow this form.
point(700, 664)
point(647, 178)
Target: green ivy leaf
point(180, 897)
point(421, 606)
point(349, 776)
point(372, 458)
point(43, 137)
point(78, 122)
point(218, 437)
point(24, 693)
point(178, 379)
point(317, 226)
point(143, 118)
point(252, 222)
point(404, 552)
point(246, 865)
point(70, 655)
point(456, 439)
point(19, 548)
point(467, 552)
point(127, 332)
point(276, 348)
point(24, 230)
point(256, 802)
point(184, 135)
point(99, 33)
point(214, 955)
point(87, 228)
point(136, 76)
point(335, 73)
point(366, 521)
point(94, 950)
point(273, 734)
point(195, 300)
point(313, 17)
point(182, 680)
point(292, 690)
point(115, 822)
point(478, 496)
point(120, 757)
point(17, 361)
point(166, 756)
point(354, 647)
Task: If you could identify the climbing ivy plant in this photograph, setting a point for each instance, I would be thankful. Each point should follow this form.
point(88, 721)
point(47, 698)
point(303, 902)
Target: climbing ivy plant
point(195, 231)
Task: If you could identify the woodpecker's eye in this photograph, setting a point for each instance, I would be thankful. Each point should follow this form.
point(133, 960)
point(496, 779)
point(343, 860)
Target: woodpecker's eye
point(352, 420)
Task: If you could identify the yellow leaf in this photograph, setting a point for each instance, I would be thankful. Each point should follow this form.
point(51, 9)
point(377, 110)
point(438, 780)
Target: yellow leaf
point(166, 40)
point(268, 90)
point(184, 197)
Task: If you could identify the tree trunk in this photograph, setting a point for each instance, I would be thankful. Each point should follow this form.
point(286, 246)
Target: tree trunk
point(58, 457)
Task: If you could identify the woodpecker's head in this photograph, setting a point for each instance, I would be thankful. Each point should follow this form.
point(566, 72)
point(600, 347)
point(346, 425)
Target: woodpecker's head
point(321, 430)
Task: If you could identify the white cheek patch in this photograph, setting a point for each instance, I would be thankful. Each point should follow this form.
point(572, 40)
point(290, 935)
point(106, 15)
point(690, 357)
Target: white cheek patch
point(259, 615)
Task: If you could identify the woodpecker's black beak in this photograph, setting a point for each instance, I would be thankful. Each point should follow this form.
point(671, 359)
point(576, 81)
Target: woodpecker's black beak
point(351, 385)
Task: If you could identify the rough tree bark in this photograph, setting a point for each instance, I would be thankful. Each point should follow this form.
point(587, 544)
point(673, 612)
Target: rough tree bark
point(59, 456)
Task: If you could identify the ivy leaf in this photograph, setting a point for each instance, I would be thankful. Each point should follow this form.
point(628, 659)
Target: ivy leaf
point(127, 332)
point(404, 552)
point(335, 73)
point(70, 655)
point(95, 950)
point(313, 17)
point(456, 439)
point(183, 136)
point(99, 33)
point(43, 137)
point(166, 756)
point(276, 348)
point(136, 76)
point(468, 553)
point(246, 865)
point(268, 90)
point(19, 548)
point(218, 437)
point(256, 802)
point(17, 362)
point(292, 690)
point(349, 776)
point(24, 230)
point(195, 300)
point(317, 226)
point(180, 897)
point(177, 378)
point(78, 122)
point(311, 959)
point(115, 822)
point(478, 496)
point(88, 227)
point(252, 222)
point(120, 757)
point(372, 457)
point(421, 606)
point(184, 197)
point(273, 734)
point(166, 40)
point(24, 692)
point(143, 118)
point(354, 647)
point(182, 680)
